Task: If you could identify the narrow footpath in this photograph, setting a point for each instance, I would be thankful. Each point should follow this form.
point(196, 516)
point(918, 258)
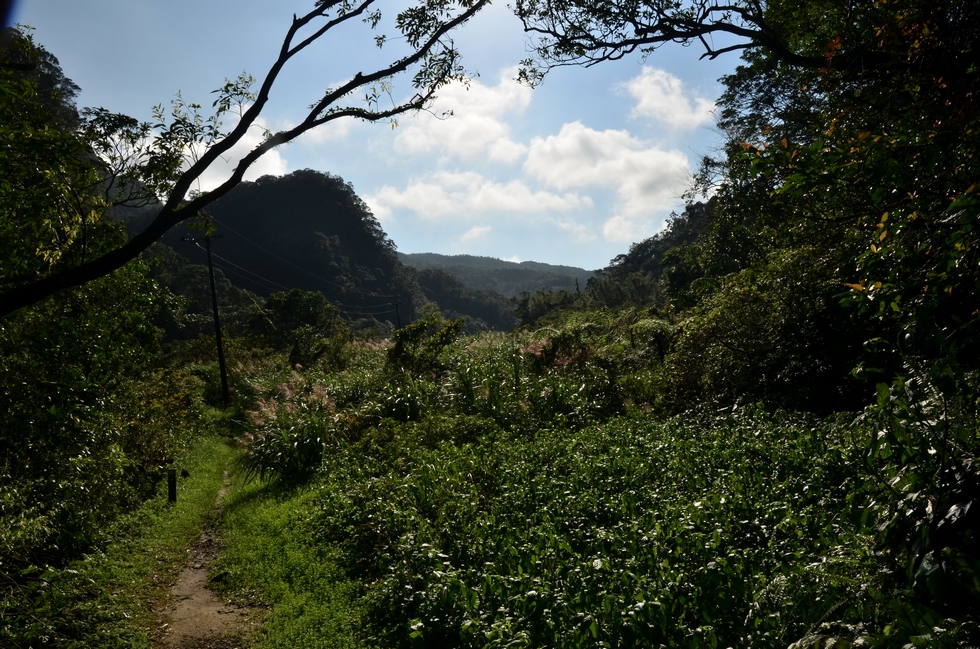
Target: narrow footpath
point(195, 617)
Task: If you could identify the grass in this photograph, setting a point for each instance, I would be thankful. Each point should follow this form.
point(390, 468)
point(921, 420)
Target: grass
point(107, 599)
point(524, 491)
point(636, 532)
point(271, 557)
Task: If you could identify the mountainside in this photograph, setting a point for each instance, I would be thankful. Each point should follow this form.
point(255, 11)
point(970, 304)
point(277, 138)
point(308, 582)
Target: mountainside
point(310, 230)
point(306, 230)
point(506, 277)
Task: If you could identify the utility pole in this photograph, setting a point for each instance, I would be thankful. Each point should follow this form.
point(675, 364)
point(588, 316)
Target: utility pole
point(217, 320)
point(398, 317)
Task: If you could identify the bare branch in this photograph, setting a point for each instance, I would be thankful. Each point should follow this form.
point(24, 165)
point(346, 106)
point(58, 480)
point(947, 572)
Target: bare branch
point(433, 56)
point(585, 32)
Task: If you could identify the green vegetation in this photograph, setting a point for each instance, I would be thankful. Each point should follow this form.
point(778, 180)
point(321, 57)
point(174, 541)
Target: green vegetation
point(270, 557)
point(508, 278)
point(757, 428)
point(107, 597)
point(517, 490)
point(88, 421)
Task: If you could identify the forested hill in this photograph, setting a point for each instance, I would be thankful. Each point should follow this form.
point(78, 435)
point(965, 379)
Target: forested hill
point(506, 277)
point(306, 230)
point(309, 230)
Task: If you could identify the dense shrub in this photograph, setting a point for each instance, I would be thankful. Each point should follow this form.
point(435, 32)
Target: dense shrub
point(775, 334)
point(729, 529)
point(498, 496)
point(304, 323)
point(289, 426)
point(85, 425)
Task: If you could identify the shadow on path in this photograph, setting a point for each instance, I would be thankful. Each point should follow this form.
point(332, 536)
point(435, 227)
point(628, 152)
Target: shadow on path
point(196, 618)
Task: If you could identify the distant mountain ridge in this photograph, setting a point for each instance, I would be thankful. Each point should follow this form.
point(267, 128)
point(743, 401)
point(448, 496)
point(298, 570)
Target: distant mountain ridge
point(420, 259)
point(309, 230)
point(506, 277)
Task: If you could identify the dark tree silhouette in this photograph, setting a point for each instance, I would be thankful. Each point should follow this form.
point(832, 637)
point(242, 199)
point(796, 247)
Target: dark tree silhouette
point(184, 145)
point(824, 34)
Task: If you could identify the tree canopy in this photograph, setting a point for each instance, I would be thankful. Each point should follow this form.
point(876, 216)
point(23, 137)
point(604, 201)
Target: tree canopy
point(851, 130)
point(85, 423)
point(142, 162)
point(48, 177)
point(824, 34)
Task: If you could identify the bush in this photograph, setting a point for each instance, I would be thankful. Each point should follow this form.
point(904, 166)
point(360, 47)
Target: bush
point(288, 429)
point(416, 348)
point(925, 447)
point(776, 334)
point(306, 324)
point(85, 426)
point(735, 530)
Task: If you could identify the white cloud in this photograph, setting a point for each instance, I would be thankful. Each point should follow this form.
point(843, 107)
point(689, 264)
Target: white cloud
point(644, 177)
point(661, 96)
point(272, 163)
point(477, 126)
point(627, 229)
point(581, 232)
point(515, 259)
point(475, 233)
point(333, 131)
point(465, 195)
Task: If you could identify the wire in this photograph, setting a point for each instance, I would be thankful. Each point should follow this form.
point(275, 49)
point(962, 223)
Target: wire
point(365, 306)
point(286, 261)
point(369, 312)
point(350, 309)
point(265, 282)
point(262, 283)
point(264, 279)
point(271, 283)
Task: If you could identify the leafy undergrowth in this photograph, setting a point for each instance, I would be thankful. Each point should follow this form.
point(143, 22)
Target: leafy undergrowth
point(107, 598)
point(271, 557)
point(525, 491)
point(715, 530)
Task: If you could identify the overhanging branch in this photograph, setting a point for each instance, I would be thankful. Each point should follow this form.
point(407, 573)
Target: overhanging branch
point(175, 210)
point(582, 32)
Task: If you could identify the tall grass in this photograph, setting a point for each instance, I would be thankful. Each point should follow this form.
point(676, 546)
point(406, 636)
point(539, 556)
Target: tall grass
point(528, 491)
point(107, 598)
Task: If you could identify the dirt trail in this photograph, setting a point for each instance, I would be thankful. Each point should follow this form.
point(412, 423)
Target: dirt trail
point(196, 618)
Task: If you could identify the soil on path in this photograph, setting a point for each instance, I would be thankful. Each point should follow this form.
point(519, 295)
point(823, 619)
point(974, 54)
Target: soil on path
point(195, 617)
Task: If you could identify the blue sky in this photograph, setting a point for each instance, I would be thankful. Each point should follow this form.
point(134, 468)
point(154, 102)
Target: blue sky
point(570, 173)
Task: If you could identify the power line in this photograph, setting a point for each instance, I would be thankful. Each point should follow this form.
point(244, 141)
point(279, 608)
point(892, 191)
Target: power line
point(356, 312)
point(286, 261)
point(356, 309)
point(349, 309)
point(269, 283)
point(264, 279)
point(365, 306)
point(261, 283)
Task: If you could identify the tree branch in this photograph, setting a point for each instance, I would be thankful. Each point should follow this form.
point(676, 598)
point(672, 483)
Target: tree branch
point(581, 32)
point(175, 210)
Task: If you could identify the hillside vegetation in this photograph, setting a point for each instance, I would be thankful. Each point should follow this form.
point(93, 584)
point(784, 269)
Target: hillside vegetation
point(508, 278)
point(308, 230)
point(758, 428)
point(528, 488)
